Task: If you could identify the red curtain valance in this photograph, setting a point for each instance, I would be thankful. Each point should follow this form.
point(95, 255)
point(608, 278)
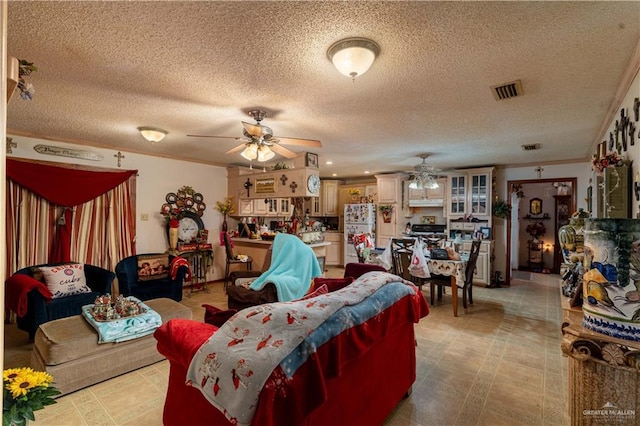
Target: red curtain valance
point(62, 186)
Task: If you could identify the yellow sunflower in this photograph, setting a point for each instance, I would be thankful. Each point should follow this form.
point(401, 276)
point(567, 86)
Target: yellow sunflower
point(11, 373)
point(41, 378)
point(21, 385)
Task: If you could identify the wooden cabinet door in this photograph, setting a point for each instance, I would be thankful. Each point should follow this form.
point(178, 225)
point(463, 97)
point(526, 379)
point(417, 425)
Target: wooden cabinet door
point(457, 195)
point(259, 207)
point(329, 202)
point(479, 201)
point(388, 190)
point(246, 207)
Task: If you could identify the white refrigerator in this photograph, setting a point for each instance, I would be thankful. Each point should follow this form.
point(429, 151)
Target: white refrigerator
point(358, 219)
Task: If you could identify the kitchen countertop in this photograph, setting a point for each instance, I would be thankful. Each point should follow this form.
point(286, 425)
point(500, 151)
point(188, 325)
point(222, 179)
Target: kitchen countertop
point(268, 242)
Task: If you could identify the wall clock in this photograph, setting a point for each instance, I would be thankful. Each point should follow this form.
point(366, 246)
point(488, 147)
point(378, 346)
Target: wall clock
point(313, 184)
point(190, 224)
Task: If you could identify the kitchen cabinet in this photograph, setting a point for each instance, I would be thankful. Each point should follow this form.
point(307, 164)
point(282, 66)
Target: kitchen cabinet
point(482, 273)
point(298, 182)
point(259, 207)
point(428, 193)
point(245, 207)
point(329, 198)
point(278, 206)
point(335, 249)
point(470, 193)
point(389, 192)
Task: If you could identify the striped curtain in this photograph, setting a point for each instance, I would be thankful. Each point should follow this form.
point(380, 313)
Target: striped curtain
point(103, 229)
point(30, 226)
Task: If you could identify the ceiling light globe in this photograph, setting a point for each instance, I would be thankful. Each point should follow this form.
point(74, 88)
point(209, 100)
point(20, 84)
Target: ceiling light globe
point(152, 134)
point(353, 56)
point(265, 154)
point(250, 152)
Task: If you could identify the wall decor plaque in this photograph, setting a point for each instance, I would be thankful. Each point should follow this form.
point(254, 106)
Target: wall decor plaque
point(68, 152)
point(265, 185)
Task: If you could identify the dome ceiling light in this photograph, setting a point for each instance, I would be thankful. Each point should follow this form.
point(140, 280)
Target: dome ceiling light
point(353, 56)
point(152, 134)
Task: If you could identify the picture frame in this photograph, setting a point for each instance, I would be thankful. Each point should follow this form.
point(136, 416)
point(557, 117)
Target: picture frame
point(311, 160)
point(428, 220)
point(265, 186)
point(486, 232)
point(535, 206)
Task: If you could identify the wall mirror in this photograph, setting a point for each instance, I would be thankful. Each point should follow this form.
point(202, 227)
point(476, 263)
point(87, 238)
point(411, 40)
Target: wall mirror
point(535, 206)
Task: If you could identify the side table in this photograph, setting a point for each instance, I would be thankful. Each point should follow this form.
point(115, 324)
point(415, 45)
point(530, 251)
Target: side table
point(200, 260)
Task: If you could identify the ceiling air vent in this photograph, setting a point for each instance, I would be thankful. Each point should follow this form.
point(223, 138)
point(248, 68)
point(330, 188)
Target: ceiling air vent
point(531, 147)
point(506, 91)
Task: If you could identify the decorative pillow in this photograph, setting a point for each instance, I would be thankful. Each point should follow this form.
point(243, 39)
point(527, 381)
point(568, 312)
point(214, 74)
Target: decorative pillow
point(153, 267)
point(216, 316)
point(317, 292)
point(65, 280)
point(332, 284)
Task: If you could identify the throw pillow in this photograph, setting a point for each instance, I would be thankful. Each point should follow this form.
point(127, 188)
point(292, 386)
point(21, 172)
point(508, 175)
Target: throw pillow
point(317, 292)
point(153, 266)
point(333, 284)
point(65, 280)
point(216, 316)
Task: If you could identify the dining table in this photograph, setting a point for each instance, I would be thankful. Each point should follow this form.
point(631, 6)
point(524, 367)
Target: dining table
point(455, 269)
point(450, 268)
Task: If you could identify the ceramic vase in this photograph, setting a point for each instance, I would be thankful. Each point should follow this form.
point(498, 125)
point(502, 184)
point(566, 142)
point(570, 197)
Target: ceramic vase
point(611, 280)
point(386, 216)
point(173, 239)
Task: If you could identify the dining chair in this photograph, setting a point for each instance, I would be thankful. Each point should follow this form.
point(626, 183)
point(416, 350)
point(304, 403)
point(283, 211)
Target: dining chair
point(231, 258)
point(442, 281)
point(401, 252)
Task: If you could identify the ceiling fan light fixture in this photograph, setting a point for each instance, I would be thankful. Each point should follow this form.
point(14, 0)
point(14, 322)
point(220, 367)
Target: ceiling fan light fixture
point(152, 134)
point(265, 153)
point(250, 152)
point(353, 56)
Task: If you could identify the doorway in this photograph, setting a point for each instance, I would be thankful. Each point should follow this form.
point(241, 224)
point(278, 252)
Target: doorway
point(537, 204)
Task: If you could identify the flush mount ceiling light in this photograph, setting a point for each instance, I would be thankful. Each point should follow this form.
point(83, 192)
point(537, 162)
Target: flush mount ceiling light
point(353, 56)
point(152, 134)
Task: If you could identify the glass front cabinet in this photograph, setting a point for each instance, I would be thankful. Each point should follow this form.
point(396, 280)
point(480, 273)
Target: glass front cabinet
point(470, 193)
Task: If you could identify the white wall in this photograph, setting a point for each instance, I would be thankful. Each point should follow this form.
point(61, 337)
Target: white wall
point(156, 177)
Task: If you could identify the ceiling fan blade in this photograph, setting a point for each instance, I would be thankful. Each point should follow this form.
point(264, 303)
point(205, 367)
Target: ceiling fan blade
point(283, 151)
point(236, 149)
point(211, 136)
point(301, 142)
point(257, 130)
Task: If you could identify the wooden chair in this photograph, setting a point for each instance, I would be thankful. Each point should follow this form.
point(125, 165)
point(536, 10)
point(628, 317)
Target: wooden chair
point(401, 252)
point(231, 258)
point(445, 281)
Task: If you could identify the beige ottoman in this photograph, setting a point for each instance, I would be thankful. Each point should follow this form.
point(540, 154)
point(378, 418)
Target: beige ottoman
point(68, 349)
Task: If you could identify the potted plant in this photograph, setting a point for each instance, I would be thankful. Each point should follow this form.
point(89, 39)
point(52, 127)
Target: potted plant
point(386, 210)
point(501, 209)
point(25, 391)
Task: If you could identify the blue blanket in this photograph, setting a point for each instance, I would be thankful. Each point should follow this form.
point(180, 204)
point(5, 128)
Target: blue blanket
point(293, 266)
point(124, 329)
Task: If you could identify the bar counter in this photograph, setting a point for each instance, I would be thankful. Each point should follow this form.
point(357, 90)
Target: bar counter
point(257, 249)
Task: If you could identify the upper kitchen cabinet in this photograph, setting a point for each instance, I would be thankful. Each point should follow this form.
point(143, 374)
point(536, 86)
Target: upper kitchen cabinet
point(427, 197)
point(329, 198)
point(390, 188)
point(470, 193)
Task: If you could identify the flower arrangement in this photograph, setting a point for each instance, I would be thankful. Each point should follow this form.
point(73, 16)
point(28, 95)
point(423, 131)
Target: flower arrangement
point(385, 208)
point(536, 230)
point(225, 207)
point(610, 160)
point(25, 69)
point(354, 191)
point(24, 392)
point(517, 189)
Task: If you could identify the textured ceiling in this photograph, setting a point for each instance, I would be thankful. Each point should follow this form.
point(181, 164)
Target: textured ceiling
point(106, 68)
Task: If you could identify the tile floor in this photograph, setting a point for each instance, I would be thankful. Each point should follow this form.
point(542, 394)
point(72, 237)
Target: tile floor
point(500, 364)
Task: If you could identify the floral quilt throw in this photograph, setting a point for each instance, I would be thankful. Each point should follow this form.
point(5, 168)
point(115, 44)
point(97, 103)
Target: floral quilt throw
point(232, 366)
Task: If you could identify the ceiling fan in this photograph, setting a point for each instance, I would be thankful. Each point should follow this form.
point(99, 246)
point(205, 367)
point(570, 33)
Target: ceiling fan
point(424, 175)
point(259, 143)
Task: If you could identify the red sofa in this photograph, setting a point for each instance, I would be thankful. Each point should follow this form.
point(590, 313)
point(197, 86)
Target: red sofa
point(356, 378)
